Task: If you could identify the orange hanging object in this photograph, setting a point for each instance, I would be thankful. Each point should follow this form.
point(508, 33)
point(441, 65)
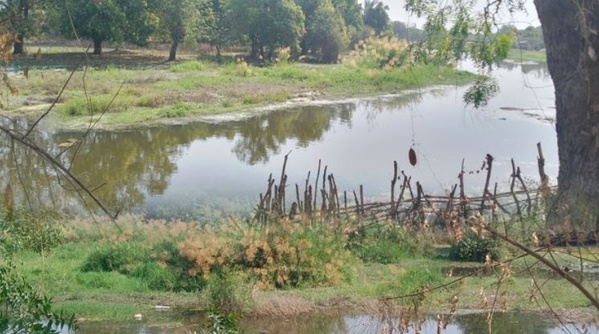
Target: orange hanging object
point(412, 156)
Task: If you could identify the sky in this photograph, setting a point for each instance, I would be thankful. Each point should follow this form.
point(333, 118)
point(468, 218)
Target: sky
point(520, 20)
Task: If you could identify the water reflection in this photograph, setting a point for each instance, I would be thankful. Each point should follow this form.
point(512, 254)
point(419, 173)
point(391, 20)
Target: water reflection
point(539, 70)
point(475, 323)
point(214, 168)
point(503, 323)
point(258, 138)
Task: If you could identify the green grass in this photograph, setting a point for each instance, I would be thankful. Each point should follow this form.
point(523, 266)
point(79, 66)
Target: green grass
point(527, 55)
point(151, 91)
point(134, 283)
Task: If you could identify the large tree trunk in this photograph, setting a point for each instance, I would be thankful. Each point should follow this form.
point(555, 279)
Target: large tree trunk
point(97, 46)
point(570, 30)
point(18, 48)
point(172, 55)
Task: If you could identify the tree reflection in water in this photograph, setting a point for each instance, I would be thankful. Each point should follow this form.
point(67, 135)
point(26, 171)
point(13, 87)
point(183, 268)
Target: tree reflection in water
point(262, 136)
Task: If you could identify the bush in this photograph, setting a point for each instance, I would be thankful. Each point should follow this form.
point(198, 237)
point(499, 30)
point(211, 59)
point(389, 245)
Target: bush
point(100, 104)
point(178, 110)
point(156, 277)
point(474, 248)
point(381, 53)
point(165, 255)
point(389, 243)
point(282, 255)
point(20, 231)
point(122, 257)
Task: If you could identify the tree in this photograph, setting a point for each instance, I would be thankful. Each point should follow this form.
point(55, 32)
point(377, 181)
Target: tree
point(106, 20)
point(213, 26)
point(375, 15)
point(176, 18)
point(327, 35)
point(22, 18)
point(411, 34)
point(571, 40)
point(351, 12)
point(268, 25)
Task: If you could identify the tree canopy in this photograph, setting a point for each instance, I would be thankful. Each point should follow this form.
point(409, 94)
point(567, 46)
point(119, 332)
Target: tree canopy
point(106, 20)
point(321, 28)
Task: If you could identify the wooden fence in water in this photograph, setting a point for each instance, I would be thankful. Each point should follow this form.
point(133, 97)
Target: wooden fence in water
point(407, 203)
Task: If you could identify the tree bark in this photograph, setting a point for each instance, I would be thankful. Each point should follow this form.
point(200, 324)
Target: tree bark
point(172, 55)
point(97, 46)
point(18, 48)
point(570, 31)
point(218, 54)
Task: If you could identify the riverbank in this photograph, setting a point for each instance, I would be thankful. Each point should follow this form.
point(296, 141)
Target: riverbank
point(131, 88)
point(105, 272)
point(527, 55)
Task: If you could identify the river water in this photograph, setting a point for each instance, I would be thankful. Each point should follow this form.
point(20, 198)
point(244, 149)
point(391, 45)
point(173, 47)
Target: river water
point(217, 166)
point(475, 323)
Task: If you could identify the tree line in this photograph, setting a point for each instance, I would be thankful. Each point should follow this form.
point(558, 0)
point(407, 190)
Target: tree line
point(529, 38)
point(317, 29)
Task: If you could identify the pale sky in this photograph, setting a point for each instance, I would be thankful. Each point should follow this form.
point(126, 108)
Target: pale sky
point(520, 20)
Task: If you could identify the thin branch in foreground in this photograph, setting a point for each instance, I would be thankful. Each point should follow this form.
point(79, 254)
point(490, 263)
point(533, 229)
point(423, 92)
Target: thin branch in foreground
point(70, 176)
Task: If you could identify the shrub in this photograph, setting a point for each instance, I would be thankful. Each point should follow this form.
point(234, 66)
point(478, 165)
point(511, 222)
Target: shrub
point(381, 53)
point(20, 231)
point(99, 104)
point(155, 276)
point(472, 247)
point(389, 243)
point(178, 110)
point(166, 255)
point(282, 255)
point(122, 257)
point(226, 294)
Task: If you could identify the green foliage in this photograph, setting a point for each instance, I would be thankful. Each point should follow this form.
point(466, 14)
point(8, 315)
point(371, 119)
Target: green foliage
point(470, 35)
point(226, 293)
point(24, 310)
point(474, 248)
point(166, 255)
point(381, 53)
point(160, 268)
point(326, 34)
point(268, 25)
point(157, 277)
point(221, 323)
point(24, 231)
point(22, 19)
point(481, 91)
point(389, 243)
point(109, 281)
point(109, 20)
point(93, 106)
point(178, 110)
point(411, 282)
point(375, 16)
point(122, 257)
point(215, 26)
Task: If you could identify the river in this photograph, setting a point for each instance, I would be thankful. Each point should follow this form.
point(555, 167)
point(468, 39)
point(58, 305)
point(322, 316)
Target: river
point(217, 166)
